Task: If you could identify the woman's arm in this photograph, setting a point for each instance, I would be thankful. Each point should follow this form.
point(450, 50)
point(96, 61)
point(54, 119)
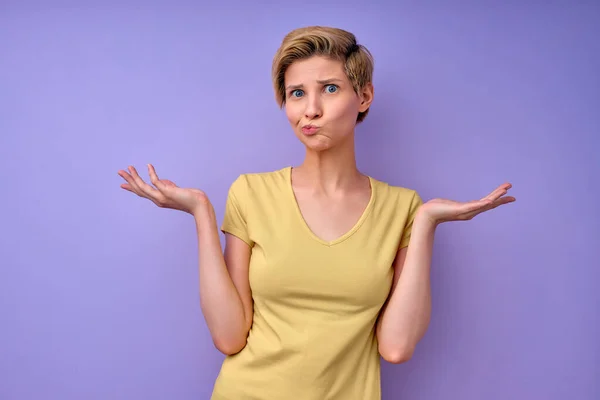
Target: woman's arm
point(224, 283)
point(405, 317)
point(225, 295)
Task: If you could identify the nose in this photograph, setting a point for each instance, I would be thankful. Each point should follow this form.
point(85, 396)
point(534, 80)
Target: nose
point(314, 108)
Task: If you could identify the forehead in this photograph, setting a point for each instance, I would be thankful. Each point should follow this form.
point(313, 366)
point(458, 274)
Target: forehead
point(313, 69)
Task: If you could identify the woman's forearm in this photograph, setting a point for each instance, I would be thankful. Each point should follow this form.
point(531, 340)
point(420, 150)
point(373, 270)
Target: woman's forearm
point(220, 301)
point(407, 314)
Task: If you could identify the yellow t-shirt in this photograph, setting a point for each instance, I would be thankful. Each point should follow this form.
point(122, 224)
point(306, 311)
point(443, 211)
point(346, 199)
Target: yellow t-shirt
point(316, 303)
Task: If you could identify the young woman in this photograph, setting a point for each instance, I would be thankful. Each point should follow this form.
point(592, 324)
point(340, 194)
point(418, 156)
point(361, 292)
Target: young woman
point(325, 269)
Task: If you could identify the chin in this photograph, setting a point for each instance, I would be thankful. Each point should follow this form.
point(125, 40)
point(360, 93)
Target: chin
point(318, 148)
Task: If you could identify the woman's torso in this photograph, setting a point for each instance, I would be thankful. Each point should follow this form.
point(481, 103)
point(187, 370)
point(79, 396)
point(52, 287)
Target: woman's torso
point(316, 302)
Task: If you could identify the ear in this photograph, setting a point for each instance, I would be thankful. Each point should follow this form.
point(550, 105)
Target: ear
point(366, 97)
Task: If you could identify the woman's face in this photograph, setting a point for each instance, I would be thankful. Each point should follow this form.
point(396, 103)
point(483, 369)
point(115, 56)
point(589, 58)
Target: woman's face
point(321, 103)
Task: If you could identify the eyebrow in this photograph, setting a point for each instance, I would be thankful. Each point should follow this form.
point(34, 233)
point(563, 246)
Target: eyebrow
point(321, 82)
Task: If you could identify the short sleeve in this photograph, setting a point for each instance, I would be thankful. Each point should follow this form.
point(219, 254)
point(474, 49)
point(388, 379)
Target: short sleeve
point(235, 218)
point(414, 205)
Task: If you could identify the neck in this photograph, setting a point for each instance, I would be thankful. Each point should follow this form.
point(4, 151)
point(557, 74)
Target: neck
point(331, 170)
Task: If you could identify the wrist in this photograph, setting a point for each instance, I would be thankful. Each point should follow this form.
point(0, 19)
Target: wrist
point(204, 212)
point(206, 224)
point(424, 219)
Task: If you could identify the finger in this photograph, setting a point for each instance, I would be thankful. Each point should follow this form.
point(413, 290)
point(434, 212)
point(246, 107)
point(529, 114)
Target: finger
point(148, 190)
point(498, 192)
point(504, 200)
point(131, 183)
point(502, 188)
point(476, 205)
point(474, 213)
point(127, 186)
point(490, 206)
point(155, 180)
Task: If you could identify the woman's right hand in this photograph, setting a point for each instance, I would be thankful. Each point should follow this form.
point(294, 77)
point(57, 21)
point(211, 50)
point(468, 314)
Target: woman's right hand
point(165, 193)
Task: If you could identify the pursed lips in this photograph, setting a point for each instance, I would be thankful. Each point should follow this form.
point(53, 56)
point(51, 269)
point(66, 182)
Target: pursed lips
point(310, 129)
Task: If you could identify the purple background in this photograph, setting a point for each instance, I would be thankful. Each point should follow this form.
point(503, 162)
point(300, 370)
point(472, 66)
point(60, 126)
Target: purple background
point(99, 288)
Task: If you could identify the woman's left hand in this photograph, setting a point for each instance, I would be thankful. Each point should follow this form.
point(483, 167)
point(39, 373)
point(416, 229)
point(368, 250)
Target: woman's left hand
point(442, 210)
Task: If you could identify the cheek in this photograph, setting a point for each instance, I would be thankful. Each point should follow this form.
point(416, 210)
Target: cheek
point(291, 112)
point(346, 110)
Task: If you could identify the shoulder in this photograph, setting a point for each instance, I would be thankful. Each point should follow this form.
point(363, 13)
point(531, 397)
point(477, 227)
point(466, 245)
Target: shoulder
point(253, 182)
point(279, 176)
point(395, 194)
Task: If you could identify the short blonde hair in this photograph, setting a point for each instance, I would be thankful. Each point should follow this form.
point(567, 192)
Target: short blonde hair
point(334, 43)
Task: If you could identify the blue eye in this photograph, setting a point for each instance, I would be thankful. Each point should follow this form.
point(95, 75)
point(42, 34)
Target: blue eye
point(331, 88)
point(296, 93)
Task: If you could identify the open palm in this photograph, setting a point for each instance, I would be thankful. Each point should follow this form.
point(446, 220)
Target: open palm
point(443, 210)
point(164, 193)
